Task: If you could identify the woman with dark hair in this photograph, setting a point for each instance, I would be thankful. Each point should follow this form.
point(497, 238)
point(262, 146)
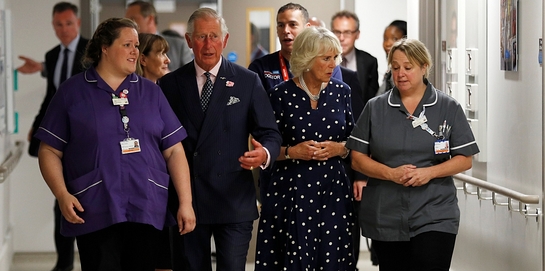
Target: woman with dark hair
point(395, 31)
point(153, 61)
point(109, 141)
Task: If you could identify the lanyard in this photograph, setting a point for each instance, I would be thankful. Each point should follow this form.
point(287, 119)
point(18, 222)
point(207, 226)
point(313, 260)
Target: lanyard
point(421, 121)
point(283, 68)
point(121, 102)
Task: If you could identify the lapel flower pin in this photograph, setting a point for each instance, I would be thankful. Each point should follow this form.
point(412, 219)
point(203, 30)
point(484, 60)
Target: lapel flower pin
point(229, 84)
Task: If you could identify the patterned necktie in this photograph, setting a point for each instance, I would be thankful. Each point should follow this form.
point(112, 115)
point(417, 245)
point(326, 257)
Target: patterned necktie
point(206, 92)
point(344, 62)
point(64, 67)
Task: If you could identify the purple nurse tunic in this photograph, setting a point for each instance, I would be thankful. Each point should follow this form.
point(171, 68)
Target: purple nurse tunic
point(83, 123)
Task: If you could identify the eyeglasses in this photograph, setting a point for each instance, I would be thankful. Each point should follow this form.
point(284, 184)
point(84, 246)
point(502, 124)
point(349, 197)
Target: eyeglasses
point(201, 37)
point(346, 33)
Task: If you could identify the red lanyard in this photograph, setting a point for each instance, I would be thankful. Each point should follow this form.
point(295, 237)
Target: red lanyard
point(285, 74)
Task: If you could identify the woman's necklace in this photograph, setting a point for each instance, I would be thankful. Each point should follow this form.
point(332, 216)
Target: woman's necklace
point(305, 88)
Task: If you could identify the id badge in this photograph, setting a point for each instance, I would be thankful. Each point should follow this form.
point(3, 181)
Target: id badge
point(419, 121)
point(120, 101)
point(130, 145)
point(441, 147)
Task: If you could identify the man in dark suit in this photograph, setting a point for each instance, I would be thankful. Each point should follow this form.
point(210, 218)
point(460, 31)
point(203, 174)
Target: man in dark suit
point(220, 104)
point(145, 15)
point(346, 25)
point(274, 68)
point(350, 77)
point(61, 62)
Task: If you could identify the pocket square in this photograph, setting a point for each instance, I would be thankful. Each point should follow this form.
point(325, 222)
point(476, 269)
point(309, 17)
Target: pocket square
point(233, 100)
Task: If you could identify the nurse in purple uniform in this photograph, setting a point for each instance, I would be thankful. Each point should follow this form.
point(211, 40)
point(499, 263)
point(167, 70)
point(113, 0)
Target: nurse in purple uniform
point(110, 145)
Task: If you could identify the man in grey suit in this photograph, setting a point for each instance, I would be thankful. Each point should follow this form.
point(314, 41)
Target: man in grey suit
point(144, 14)
point(220, 104)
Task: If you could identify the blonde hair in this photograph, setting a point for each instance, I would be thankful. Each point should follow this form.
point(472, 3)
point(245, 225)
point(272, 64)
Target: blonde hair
point(310, 43)
point(416, 52)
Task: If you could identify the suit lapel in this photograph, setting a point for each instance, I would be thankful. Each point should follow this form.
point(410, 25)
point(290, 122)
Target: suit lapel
point(52, 62)
point(218, 101)
point(190, 94)
point(77, 67)
point(362, 71)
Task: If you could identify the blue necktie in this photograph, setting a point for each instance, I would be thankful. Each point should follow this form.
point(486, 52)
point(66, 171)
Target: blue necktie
point(64, 68)
point(206, 92)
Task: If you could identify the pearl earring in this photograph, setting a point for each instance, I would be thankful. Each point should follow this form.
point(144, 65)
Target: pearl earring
point(308, 70)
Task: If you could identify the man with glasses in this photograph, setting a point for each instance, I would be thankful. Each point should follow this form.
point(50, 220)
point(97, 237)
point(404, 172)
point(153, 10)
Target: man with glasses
point(345, 25)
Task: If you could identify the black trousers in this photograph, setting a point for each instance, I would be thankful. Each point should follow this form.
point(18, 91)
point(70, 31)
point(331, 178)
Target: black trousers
point(64, 245)
point(125, 246)
point(356, 232)
point(163, 254)
point(193, 251)
point(429, 251)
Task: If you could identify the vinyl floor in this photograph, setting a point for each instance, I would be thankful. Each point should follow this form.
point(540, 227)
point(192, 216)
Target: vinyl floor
point(45, 262)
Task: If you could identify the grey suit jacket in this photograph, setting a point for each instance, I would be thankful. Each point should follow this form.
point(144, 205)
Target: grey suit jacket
point(179, 53)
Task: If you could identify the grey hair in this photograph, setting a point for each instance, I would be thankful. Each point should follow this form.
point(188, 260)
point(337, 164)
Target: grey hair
point(311, 43)
point(206, 13)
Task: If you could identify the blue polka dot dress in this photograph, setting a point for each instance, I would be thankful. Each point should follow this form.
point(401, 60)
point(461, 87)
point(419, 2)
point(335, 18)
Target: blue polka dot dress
point(307, 214)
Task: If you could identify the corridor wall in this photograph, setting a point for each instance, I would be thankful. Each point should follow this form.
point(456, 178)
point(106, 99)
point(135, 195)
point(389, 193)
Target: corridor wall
point(494, 238)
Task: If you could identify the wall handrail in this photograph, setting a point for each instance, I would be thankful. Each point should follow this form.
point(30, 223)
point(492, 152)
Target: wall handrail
point(12, 159)
point(523, 199)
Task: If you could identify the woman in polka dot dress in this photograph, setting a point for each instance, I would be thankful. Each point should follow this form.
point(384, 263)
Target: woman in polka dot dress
point(307, 214)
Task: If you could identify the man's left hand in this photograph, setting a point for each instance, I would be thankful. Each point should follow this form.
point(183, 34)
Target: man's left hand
point(253, 158)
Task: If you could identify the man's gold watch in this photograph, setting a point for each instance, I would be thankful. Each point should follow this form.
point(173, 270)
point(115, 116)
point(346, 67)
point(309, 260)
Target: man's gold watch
point(286, 155)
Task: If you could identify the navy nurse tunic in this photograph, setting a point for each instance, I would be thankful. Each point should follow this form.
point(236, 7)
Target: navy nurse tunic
point(83, 123)
point(392, 212)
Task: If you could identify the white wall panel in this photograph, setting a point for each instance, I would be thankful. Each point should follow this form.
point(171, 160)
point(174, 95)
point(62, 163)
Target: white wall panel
point(374, 17)
point(31, 200)
point(493, 238)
